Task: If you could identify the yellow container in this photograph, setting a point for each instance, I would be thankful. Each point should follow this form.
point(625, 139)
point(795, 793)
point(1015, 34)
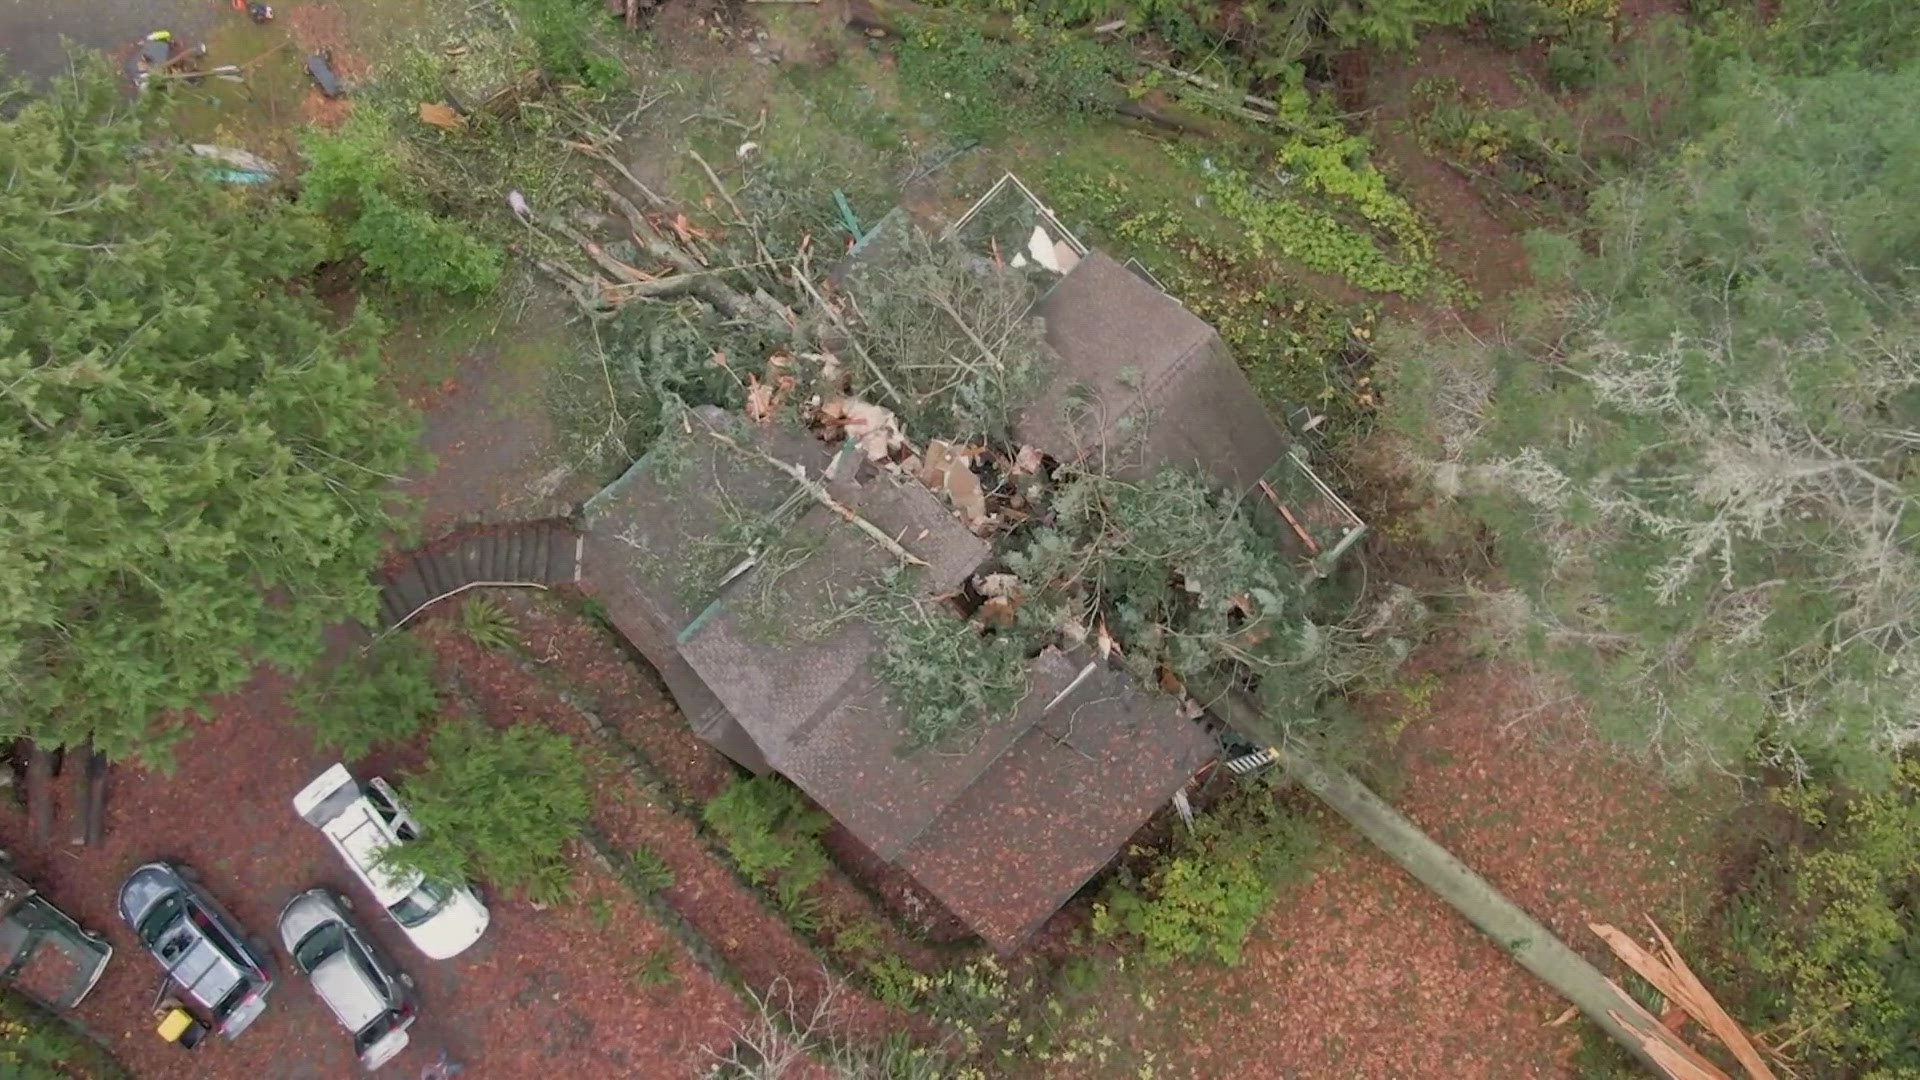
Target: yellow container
point(174, 1023)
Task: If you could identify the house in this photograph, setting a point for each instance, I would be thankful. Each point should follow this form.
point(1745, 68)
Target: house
point(1004, 827)
point(755, 640)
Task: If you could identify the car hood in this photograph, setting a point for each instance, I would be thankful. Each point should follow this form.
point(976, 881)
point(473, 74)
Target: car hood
point(302, 916)
point(453, 928)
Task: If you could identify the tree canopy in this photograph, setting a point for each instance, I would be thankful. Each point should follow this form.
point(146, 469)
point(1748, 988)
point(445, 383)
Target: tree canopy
point(195, 455)
point(1705, 477)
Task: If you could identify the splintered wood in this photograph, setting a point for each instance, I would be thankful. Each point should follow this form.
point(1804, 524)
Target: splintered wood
point(1668, 973)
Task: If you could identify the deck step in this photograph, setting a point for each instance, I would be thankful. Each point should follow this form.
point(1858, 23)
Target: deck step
point(470, 569)
point(390, 610)
point(536, 561)
point(408, 590)
point(429, 575)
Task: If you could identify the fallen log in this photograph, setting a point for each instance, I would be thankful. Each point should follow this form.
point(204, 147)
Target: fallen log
point(80, 802)
point(1518, 934)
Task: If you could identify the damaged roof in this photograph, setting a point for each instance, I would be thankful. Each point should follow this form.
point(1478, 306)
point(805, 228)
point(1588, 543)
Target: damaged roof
point(1077, 779)
point(1060, 802)
point(1142, 375)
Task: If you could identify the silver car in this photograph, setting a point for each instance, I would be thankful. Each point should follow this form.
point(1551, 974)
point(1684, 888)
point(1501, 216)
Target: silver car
point(218, 969)
point(368, 995)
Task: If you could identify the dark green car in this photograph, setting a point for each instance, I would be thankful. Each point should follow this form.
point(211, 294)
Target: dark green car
point(43, 953)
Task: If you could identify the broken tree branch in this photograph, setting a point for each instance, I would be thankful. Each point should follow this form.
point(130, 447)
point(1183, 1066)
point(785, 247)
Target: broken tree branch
point(729, 300)
point(652, 197)
point(840, 324)
point(823, 497)
point(739, 218)
point(1264, 104)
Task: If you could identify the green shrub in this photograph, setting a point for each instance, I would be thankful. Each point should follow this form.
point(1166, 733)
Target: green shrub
point(37, 1045)
point(381, 695)
point(564, 38)
point(1824, 934)
point(486, 624)
point(986, 87)
point(648, 872)
point(497, 805)
point(1203, 897)
point(357, 175)
point(771, 831)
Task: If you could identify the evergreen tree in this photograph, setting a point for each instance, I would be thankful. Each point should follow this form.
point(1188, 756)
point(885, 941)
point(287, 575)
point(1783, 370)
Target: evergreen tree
point(195, 457)
point(1705, 476)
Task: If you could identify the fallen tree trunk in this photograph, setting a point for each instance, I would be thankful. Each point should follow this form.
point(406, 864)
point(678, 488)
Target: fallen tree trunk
point(1518, 934)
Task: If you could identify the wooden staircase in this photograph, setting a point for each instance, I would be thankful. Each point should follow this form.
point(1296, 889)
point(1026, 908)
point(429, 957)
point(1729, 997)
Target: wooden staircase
point(539, 553)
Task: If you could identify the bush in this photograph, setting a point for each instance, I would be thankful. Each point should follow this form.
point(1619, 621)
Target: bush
point(358, 178)
point(1824, 933)
point(772, 832)
point(498, 805)
point(381, 695)
point(986, 87)
point(37, 1045)
point(1203, 897)
point(563, 35)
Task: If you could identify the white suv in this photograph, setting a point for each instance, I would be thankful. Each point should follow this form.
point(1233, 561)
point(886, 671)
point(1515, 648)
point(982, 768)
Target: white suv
point(363, 821)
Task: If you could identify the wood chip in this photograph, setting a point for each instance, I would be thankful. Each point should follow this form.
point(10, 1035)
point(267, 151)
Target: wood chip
point(441, 116)
point(964, 489)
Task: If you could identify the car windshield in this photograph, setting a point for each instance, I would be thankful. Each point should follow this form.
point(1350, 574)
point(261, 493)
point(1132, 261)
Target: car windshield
point(317, 946)
point(159, 917)
point(421, 904)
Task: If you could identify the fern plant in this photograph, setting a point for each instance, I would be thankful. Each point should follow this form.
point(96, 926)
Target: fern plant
point(486, 624)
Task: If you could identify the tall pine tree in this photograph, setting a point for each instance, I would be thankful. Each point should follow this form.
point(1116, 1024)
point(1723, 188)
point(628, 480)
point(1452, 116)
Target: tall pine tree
point(195, 456)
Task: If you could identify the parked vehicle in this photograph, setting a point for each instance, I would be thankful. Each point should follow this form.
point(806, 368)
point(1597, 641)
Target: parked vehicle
point(204, 951)
point(363, 821)
point(44, 954)
point(369, 996)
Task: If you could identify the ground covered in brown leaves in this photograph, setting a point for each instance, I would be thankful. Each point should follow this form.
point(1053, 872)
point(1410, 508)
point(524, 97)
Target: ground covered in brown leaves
point(540, 988)
point(1360, 972)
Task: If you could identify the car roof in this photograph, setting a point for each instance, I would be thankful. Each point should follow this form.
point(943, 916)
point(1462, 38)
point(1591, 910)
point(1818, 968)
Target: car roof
point(348, 990)
point(361, 836)
point(205, 972)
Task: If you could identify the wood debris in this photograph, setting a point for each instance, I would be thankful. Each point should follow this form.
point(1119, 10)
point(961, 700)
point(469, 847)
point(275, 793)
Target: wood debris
point(1668, 973)
point(441, 116)
point(873, 427)
point(997, 585)
point(819, 493)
